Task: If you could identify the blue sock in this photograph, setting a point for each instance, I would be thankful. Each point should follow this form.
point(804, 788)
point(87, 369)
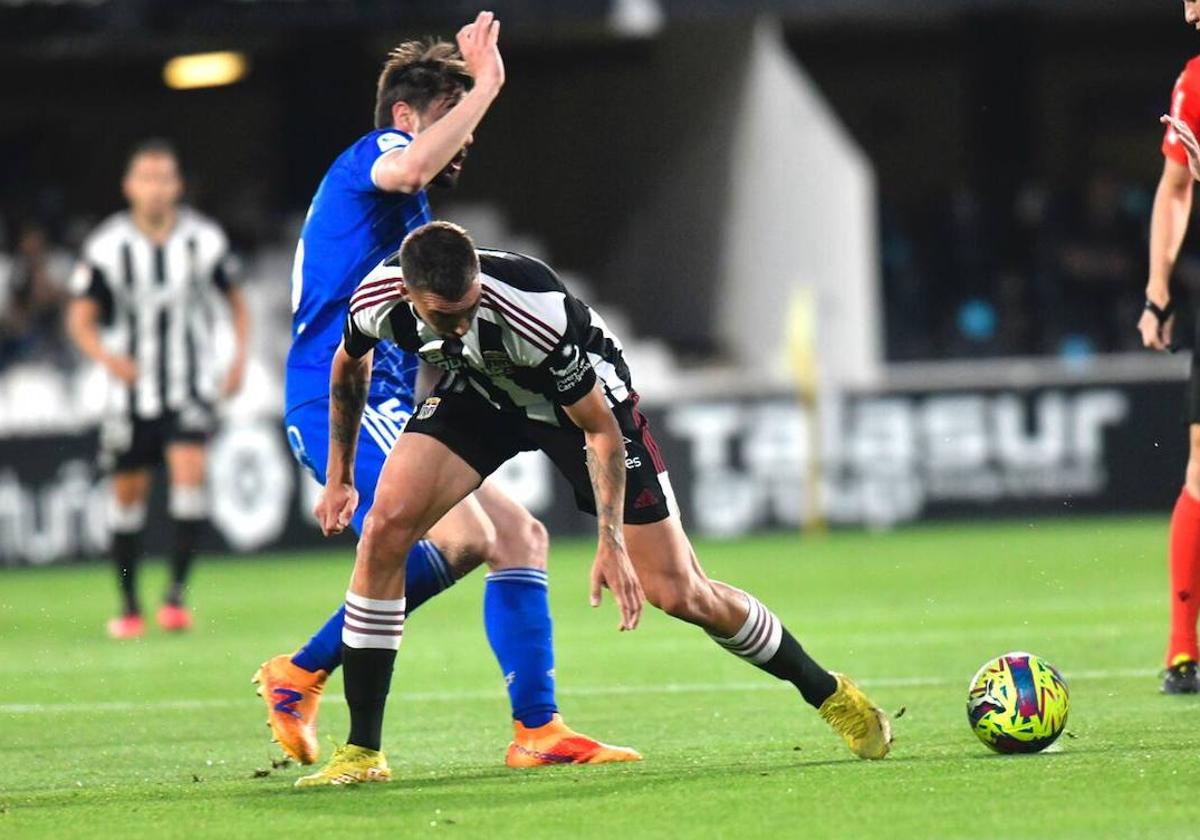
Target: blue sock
point(426, 574)
point(516, 613)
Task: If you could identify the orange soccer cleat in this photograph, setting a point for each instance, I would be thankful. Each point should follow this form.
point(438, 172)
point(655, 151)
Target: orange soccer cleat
point(174, 618)
point(126, 627)
point(293, 697)
point(557, 743)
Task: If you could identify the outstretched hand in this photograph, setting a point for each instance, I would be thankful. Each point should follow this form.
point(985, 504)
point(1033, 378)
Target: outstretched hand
point(478, 42)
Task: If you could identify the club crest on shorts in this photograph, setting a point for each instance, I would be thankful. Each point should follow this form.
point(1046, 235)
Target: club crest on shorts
point(428, 407)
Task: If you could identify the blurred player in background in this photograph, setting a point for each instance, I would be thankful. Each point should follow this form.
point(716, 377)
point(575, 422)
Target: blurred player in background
point(142, 307)
point(430, 98)
point(1168, 225)
point(537, 369)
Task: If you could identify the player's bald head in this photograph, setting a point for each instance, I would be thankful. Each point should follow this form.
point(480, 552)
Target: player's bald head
point(439, 258)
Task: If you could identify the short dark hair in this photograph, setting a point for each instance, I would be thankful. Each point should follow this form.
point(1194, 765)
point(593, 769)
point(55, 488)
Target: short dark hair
point(439, 257)
point(418, 72)
point(151, 146)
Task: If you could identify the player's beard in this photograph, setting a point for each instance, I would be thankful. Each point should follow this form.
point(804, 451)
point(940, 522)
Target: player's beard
point(448, 177)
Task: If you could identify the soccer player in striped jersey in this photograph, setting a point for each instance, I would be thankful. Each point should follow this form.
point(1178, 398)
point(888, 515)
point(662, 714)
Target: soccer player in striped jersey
point(430, 99)
point(1168, 226)
point(144, 292)
point(537, 369)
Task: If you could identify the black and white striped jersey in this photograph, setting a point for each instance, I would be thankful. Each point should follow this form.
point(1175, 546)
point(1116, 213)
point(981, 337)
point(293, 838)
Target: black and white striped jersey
point(157, 306)
point(531, 348)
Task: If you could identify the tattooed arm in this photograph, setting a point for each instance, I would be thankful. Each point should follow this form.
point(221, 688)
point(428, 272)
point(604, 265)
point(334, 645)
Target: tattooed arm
point(349, 381)
point(606, 468)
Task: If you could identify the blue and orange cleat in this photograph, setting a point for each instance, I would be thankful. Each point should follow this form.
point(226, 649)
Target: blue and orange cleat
point(557, 743)
point(293, 698)
point(174, 618)
point(126, 627)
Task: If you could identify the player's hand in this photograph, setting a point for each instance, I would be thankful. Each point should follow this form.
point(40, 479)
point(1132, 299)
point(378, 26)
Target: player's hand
point(479, 44)
point(233, 379)
point(1155, 335)
point(122, 367)
point(1187, 139)
point(613, 571)
point(335, 508)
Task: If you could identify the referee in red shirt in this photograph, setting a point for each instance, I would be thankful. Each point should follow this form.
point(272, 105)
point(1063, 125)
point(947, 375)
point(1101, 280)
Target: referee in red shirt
point(1172, 209)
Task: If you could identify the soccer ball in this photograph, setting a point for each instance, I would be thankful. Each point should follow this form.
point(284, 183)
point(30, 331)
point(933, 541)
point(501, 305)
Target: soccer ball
point(1018, 703)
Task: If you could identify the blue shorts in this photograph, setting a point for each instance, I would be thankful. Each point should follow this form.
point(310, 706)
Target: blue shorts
point(308, 434)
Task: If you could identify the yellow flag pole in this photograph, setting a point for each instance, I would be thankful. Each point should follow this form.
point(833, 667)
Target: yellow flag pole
point(803, 359)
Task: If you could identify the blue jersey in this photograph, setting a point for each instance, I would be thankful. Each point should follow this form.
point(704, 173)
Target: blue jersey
point(351, 227)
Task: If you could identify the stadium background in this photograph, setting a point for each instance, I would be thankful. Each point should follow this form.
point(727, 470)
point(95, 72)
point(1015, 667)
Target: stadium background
point(878, 266)
point(874, 265)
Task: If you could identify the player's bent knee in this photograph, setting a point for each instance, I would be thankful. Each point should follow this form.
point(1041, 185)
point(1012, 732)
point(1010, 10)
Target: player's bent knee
point(470, 549)
point(526, 547)
point(538, 542)
point(522, 542)
point(385, 539)
point(679, 598)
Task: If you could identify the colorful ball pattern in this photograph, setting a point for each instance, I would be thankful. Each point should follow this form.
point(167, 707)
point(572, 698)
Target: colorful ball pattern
point(1018, 703)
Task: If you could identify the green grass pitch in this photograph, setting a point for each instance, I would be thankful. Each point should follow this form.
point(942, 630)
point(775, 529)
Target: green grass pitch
point(162, 738)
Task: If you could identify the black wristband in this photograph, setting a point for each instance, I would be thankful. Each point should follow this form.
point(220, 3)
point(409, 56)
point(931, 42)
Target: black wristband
point(1161, 313)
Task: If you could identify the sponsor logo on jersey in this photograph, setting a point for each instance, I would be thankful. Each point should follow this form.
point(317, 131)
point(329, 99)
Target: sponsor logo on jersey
point(428, 407)
point(497, 363)
point(389, 141)
point(574, 367)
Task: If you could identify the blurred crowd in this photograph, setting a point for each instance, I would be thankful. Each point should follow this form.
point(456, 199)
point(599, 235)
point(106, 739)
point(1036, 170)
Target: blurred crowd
point(34, 276)
point(1058, 273)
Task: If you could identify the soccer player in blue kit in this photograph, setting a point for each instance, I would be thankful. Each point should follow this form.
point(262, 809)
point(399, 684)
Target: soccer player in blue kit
point(430, 99)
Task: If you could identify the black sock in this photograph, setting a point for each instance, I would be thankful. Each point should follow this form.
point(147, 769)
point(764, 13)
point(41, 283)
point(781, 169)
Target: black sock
point(367, 673)
point(763, 641)
point(126, 548)
point(793, 664)
point(186, 533)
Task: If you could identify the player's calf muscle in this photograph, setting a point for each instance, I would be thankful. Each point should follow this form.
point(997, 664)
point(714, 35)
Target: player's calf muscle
point(675, 583)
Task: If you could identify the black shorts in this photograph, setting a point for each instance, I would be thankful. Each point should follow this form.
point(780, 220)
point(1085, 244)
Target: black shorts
point(1193, 391)
point(132, 443)
point(486, 437)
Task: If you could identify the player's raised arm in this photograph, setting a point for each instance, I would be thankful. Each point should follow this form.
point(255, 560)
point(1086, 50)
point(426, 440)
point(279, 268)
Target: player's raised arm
point(606, 468)
point(411, 169)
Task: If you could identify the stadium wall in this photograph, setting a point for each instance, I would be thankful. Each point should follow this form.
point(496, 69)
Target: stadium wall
point(738, 465)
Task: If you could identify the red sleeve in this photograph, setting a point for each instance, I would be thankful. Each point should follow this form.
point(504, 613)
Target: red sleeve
point(1185, 105)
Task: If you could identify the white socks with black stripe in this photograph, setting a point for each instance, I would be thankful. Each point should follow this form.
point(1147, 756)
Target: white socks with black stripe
point(373, 622)
point(759, 637)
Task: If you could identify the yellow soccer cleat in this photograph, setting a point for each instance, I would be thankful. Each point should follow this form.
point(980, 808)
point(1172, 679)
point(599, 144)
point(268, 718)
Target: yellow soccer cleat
point(557, 743)
point(293, 697)
point(350, 765)
point(865, 728)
